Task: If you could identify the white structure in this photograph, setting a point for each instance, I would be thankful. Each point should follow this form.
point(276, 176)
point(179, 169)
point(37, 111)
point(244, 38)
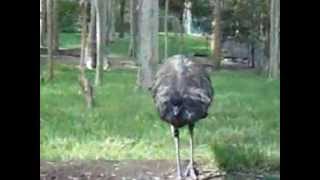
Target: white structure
point(187, 17)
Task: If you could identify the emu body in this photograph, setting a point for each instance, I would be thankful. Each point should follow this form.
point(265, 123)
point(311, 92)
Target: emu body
point(182, 92)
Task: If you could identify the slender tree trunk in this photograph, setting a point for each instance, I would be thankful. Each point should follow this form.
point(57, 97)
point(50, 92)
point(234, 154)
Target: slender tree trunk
point(85, 85)
point(101, 6)
point(55, 25)
point(274, 39)
point(50, 37)
point(130, 49)
point(91, 47)
point(136, 28)
point(166, 29)
point(262, 44)
point(148, 22)
point(217, 34)
point(109, 19)
point(133, 29)
point(83, 6)
point(252, 52)
point(187, 17)
point(181, 32)
point(122, 8)
point(43, 22)
point(112, 25)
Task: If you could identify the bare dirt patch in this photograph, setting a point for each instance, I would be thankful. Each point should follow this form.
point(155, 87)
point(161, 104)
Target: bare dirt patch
point(129, 170)
point(114, 170)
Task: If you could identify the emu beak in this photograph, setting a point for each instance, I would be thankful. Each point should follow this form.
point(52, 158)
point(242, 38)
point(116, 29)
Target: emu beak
point(175, 110)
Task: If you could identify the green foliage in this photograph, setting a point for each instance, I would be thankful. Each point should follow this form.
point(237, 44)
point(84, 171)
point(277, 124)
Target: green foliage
point(125, 125)
point(201, 8)
point(243, 19)
point(69, 12)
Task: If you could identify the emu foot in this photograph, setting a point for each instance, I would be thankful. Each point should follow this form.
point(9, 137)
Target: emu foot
point(191, 172)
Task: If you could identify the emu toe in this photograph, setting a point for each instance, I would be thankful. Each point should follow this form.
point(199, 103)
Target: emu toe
point(191, 172)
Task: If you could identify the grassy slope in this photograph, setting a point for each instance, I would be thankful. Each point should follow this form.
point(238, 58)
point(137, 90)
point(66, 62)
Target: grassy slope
point(241, 132)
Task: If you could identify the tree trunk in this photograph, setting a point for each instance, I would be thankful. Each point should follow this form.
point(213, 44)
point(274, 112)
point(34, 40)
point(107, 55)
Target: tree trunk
point(148, 22)
point(55, 24)
point(133, 29)
point(101, 6)
point(85, 85)
point(262, 45)
point(110, 30)
point(217, 34)
point(166, 30)
point(252, 52)
point(43, 22)
point(181, 32)
point(274, 39)
point(130, 49)
point(187, 17)
point(91, 49)
point(50, 37)
point(122, 8)
point(113, 21)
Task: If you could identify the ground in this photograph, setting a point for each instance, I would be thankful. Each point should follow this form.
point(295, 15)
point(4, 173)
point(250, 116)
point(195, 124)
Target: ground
point(131, 169)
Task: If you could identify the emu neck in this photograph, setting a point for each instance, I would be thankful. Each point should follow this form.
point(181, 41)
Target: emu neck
point(180, 66)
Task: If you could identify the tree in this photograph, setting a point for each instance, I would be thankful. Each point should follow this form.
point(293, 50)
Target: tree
point(85, 85)
point(147, 52)
point(217, 33)
point(187, 17)
point(43, 22)
point(133, 28)
point(131, 14)
point(91, 46)
point(166, 29)
point(50, 37)
point(55, 26)
point(101, 6)
point(274, 39)
point(110, 20)
point(122, 12)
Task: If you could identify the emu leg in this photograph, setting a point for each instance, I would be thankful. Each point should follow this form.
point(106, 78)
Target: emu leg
point(191, 171)
point(175, 133)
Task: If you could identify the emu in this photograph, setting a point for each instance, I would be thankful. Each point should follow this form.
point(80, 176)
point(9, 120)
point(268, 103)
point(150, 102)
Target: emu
point(182, 93)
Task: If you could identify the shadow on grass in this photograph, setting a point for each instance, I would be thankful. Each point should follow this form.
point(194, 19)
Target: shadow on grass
point(242, 157)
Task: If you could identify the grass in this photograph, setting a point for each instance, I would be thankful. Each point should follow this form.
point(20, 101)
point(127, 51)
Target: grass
point(120, 47)
point(240, 133)
point(70, 40)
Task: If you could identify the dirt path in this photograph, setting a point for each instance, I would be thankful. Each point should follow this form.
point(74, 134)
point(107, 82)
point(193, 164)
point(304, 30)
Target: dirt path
point(128, 170)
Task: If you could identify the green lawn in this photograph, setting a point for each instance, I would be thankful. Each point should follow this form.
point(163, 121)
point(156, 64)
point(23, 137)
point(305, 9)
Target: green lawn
point(120, 47)
point(240, 133)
